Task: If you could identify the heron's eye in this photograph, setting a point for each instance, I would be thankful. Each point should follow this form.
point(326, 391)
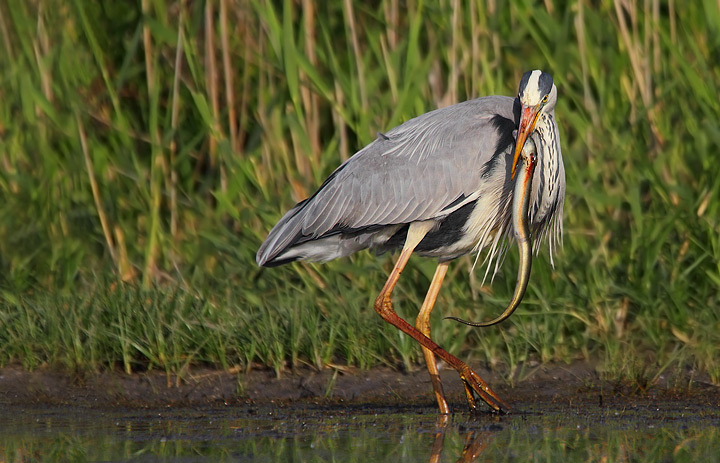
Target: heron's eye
point(545, 99)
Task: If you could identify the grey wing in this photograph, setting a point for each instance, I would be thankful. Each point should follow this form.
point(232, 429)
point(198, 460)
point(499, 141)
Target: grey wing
point(421, 170)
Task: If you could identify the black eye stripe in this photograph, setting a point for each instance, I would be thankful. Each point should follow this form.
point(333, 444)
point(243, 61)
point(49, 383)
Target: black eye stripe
point(545, 82)
point(525, 78)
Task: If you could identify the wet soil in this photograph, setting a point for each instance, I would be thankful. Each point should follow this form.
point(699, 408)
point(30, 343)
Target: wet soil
point(576, 385)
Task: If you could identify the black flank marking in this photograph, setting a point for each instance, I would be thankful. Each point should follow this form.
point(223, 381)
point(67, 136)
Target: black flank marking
point(450, 230)
point(460, 199)
point(338, 229)
point(383, 136)
point(345, 230)
point(279, 262)
point(504, 128)
point(395, 242)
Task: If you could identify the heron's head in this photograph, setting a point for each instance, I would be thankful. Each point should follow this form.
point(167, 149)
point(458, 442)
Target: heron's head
point(537, 95)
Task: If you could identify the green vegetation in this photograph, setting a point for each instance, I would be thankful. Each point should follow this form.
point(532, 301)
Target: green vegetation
point(146, 150)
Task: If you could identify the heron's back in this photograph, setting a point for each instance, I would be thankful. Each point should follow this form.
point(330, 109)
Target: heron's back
point(432, 167)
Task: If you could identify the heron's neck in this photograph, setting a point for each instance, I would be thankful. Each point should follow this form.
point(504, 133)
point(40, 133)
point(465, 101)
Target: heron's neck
point(549, 141)
point(547, 176)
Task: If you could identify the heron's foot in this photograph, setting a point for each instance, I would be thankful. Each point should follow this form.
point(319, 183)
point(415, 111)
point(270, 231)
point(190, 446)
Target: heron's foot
point(474, 384)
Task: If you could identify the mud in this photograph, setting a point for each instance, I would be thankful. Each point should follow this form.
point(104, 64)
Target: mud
point(572, 385)
point(560, 413)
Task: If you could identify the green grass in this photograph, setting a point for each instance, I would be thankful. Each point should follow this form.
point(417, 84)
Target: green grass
point(145, 153)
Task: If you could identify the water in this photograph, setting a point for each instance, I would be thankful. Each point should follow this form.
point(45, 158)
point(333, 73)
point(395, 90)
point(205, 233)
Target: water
point(306, 433)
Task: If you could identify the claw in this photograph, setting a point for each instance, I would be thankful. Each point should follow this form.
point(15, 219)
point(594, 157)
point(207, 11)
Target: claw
point(469, 395)
point(475, 385)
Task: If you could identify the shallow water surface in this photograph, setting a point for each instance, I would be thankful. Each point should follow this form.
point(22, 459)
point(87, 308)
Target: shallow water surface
point(264, 433)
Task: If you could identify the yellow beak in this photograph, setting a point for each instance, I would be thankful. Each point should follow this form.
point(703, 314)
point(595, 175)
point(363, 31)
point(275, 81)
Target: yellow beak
point(528, 118)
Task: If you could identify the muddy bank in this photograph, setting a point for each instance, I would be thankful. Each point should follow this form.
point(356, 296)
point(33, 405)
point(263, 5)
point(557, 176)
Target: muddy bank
point(380, 387)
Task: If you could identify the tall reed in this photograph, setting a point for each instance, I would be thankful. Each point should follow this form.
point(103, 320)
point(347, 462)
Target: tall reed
point(147, 149)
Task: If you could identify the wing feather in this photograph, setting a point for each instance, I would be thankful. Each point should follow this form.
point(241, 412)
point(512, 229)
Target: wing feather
point(411, 173)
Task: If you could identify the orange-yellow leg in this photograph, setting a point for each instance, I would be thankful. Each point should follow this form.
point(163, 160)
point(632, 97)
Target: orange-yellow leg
point(437, 448)
point(422, 323)
point(383, 306)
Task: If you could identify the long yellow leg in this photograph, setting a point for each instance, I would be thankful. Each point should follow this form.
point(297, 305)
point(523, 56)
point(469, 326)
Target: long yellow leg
point(383, 306)
point(422, 323)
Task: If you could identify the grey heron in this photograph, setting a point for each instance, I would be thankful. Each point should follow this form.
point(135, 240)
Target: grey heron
point(460, 179)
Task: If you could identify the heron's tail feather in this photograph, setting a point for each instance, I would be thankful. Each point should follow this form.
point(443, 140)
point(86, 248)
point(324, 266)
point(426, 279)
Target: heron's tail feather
point(282, 236)
point(289, 241)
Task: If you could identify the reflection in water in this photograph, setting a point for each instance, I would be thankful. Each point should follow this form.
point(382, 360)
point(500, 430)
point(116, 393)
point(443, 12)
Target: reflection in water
point(441, 423)
point(475, 441)
point(267, 433)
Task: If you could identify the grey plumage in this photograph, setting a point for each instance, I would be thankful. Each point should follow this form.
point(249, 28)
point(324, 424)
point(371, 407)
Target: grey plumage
point(442, 184)
point(424, 169)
